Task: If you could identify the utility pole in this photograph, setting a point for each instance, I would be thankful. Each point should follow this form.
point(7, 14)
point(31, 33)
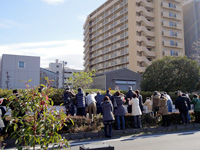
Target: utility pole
point(63, 71)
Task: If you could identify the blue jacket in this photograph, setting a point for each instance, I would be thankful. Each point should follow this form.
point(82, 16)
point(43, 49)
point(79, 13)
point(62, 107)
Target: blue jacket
point(118, 103)
point(107, 109)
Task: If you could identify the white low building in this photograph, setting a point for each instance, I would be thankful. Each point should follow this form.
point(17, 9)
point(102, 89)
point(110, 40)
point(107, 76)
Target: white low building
point(17, 69)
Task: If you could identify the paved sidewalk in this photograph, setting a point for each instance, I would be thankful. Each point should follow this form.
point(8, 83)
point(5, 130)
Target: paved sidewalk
point(117, 133)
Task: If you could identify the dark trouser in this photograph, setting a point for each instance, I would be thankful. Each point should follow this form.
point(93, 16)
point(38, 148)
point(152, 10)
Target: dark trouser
point(197, 116)
point(118, 122)
point(70, 111)
point(108, 133)
point(99, 110)
point(137, 121)
point(81, 111)
point(184, 117)
point(165, 121)
point(129, 109)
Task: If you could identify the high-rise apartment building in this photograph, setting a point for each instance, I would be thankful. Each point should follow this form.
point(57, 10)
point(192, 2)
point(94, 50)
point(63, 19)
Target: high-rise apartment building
point(191, 13)
point(132, 33)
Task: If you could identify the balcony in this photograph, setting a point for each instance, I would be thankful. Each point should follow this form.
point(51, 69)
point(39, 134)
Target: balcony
point(171, 25)
point(168, 15)
point(143, 19)
point(144, 30)
point(144, 60)
point(146, 3)
point(174, 35)
point(145, 51)
point(145, 11)
point(170, 6)
point(174, 44)
point(146, 41)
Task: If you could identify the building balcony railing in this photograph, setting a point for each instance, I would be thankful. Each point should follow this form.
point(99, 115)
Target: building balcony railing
point(144, 60)
point(170, 15)
point(171, 6)
point(146, 3)
point(145, 31)
point(145, 11)
point(146, 41)
point(143, 19)
point(145, 51)
point(172, 44)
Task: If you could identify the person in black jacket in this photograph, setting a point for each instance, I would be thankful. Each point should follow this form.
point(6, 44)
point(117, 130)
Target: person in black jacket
point(129, 95)
point(99, 99)
point(69, 101)
point(80, 103)
point(182, 105)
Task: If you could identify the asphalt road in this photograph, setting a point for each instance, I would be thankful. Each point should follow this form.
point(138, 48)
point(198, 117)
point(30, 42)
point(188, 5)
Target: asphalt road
point(189, 140)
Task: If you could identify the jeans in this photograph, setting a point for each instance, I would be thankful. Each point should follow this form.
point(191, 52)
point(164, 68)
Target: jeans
point(108, 133)
point(137, 121)
point(118, 122)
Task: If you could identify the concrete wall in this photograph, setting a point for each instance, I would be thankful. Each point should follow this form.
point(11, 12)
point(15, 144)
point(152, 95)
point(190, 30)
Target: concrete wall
point(108, 79)
point(99, 82)
point(122, 75)
point(11, 71)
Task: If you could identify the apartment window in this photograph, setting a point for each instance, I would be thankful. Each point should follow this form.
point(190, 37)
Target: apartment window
point(173, 53)
point(172, 33)
point(57, 72)
point(21, 64)
point(57, 66)
point(172, 24)
point(173, 43)
point(172, 5)
point(171, 14)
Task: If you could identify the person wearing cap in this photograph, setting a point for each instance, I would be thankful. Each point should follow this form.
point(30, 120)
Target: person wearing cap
point(69, 101)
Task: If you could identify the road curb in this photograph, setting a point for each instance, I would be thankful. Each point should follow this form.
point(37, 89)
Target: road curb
point(115, 133)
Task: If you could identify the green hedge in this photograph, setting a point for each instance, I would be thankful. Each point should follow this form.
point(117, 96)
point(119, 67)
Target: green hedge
point(57, 94)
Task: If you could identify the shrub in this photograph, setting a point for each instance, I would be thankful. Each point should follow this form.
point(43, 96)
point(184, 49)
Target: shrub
point(34, 120)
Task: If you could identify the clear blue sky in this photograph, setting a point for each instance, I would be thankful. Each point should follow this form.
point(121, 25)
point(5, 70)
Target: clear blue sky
point(50, 29)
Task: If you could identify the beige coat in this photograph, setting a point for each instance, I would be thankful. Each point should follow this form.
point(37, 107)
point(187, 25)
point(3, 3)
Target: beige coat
point(163, 109)
point(148, 103)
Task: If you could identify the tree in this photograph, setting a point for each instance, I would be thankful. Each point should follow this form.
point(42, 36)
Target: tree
point(82, 79)
point(171, 74)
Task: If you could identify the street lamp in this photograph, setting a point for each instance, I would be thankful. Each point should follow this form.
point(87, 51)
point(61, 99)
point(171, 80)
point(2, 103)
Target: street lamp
point(63, 71)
